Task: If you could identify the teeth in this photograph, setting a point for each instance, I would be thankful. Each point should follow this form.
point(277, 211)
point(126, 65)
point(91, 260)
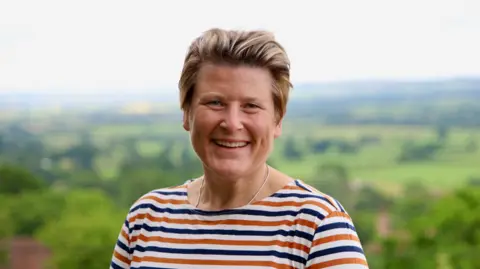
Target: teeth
point(231, 144)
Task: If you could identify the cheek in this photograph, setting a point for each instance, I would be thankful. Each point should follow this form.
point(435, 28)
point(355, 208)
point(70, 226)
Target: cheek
point(264, 133)
point(202, 125)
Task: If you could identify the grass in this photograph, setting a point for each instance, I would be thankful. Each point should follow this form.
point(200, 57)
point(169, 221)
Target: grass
point(376, 163)
point(355, 131)
point(149, 148)
point(430, 173)
point(120, 130)
point(107, 167)
point(123, 130)
point(60, 141)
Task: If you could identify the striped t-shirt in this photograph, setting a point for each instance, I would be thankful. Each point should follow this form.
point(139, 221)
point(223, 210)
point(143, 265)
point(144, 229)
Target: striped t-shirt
point(296, 227)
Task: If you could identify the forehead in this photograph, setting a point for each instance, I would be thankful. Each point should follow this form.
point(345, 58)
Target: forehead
point(234, 80)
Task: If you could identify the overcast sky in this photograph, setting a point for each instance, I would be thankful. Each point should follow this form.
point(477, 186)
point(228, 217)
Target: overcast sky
point(100, 46)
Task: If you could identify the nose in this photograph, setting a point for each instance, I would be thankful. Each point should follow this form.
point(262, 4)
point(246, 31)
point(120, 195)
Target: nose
point(233, 119)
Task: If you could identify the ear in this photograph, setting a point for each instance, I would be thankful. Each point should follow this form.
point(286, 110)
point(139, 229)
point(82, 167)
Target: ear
point(278, 129)
point(186, 121)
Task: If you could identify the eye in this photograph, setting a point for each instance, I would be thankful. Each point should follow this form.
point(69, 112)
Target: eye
point(251, 105)
point(214, 103)
point(251, 108)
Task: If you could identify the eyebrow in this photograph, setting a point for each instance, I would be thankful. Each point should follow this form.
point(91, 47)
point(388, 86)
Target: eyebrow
point(210, 95)
point(252, 99)
point(248, 99)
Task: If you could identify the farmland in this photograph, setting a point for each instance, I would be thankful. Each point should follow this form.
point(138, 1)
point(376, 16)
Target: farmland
point(386, 152)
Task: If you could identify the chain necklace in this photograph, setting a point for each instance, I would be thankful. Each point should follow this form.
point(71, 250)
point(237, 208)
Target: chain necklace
point(267, 173)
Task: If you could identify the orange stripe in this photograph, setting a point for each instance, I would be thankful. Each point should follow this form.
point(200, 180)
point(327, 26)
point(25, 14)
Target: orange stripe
point(212, 262)
point(294, 187)
point(314, 190)
point(279, 243)
point(334, 238)
point(310, 188)
point(293, 204)
point(121, 257)
point(224, 222)
point(338, 262)
point(264, 203)
point(176, 187)
point(339, 214)
point(165, 201)
point(334, 204)
point(125, 236)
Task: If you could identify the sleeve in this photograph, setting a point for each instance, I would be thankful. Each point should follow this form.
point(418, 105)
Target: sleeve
point(122, 253)
point(336, 244)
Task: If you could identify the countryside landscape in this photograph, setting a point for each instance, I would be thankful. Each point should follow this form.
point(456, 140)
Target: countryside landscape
point(403, 157)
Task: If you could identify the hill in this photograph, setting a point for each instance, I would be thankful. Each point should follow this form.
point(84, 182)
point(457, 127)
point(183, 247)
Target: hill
point(349, 91)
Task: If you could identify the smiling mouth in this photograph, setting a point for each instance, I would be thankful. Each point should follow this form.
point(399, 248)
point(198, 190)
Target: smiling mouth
point(232, 145)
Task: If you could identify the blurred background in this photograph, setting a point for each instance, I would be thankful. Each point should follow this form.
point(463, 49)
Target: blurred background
point(385, 116)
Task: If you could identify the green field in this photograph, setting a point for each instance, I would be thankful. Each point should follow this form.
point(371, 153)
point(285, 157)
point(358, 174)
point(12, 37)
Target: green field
point(377, 163)
point(399, 165)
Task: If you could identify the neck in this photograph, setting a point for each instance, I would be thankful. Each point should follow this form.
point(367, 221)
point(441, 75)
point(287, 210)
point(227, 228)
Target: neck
point(219, 192)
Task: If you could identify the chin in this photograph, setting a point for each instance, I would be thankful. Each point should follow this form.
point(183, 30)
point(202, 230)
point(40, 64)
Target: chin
point(229, 168)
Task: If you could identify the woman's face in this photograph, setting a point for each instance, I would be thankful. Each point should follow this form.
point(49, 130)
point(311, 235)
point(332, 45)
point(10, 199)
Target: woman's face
point(232, 120)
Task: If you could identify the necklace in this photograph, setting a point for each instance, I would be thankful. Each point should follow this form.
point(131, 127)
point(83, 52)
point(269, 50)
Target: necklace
point(267, 173)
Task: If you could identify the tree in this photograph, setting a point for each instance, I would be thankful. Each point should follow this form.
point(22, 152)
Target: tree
point(6, 229)
point(85, 179)
point(447, 235)
point(291, 152)
point(85, 233)
point(82, 154)
point(30, 211)
point(417, 201)
point(418, 152)
point(2, 143)
point(136, 183)
point(333, 179)
point(474, 181)
point(372, 200)
point(442, 133)
point(471, 145)
point(454, 223)
point(365, 224)
point(15, 180)
point(321, 146)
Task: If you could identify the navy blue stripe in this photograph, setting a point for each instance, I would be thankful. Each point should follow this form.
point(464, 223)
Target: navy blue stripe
point(148, 267)
point(340, 206)
point(301, 186)
point(127, 224)
point(302, 195)
point(248, 212)
point(311, 212)
point(294, 233)
point(224, 252)
point(167, 193)
point(124, 247)
point(115, 266)
point(334, 250)
point(336, 225)
point(295, 195)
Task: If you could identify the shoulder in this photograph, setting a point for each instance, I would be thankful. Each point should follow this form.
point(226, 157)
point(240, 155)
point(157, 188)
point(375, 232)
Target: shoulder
point(310, 197)
point(158, 201)
point(335, 241)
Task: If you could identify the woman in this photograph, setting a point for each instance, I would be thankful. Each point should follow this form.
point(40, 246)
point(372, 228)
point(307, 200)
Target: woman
point(241, 213)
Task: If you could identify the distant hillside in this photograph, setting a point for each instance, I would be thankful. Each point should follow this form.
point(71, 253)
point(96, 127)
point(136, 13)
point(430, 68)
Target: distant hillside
point(79, 101)
point(387, 88)
point(315, 92)
point(453, 102)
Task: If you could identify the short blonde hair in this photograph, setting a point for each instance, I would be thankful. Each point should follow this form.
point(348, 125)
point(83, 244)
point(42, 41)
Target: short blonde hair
point(251, 48)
